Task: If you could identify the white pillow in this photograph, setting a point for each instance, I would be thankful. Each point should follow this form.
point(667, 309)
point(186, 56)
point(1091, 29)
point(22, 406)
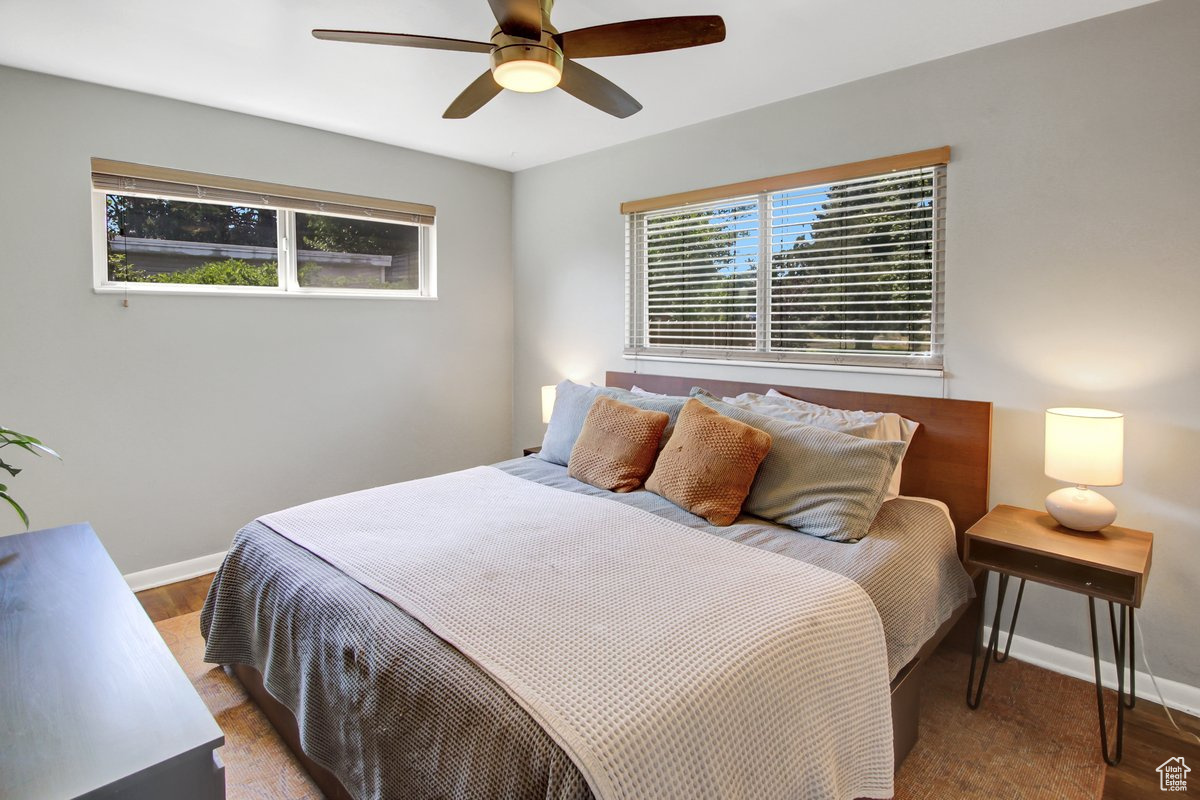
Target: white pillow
point(878, 425)
point(639, 390)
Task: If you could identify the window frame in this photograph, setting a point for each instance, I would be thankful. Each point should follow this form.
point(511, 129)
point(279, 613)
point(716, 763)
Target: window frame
point(637, 307)
point(287, 255)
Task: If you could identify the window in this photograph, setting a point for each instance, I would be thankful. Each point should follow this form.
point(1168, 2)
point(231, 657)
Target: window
point(167, 230)
point(836, 266)
point(357, 254)
point(160, 241)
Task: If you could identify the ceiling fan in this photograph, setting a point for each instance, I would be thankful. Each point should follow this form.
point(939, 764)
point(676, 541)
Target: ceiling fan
point(529, 55)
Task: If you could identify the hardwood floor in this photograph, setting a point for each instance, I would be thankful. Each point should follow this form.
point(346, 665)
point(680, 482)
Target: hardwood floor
point(1148, 734)
point(175, 599)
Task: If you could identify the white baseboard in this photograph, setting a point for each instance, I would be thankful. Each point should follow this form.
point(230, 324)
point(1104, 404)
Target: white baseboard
point(1077, 665)
point(173, 573)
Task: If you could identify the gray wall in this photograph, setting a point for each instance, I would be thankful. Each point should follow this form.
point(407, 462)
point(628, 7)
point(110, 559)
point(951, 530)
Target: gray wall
point(1073, 263)
point(181, 418)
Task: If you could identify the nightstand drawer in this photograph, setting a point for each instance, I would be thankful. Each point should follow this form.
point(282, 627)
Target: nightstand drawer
point(1045, 568)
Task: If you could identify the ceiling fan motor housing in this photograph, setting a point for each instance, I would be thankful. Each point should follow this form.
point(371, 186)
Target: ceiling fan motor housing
point(514, 48)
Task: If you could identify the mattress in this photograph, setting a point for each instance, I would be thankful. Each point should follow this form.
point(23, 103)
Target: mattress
point(394, 711)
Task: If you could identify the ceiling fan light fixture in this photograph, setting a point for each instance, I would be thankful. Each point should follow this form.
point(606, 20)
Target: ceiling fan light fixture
point(526, 75)
point(524, 66)
point(528, 53)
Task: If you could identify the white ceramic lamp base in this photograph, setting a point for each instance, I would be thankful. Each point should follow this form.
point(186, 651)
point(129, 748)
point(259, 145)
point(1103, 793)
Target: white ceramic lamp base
point(1080, 508)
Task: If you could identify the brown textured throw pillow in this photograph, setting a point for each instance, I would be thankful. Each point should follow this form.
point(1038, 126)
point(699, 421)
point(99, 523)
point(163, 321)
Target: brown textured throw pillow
point(616, 448)
point(709, 463)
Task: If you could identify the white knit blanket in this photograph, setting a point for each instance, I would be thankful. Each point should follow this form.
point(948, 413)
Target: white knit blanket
point(666, 662)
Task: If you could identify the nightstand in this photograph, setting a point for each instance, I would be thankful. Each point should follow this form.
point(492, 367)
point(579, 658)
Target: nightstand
point(531, 450)
point(1111, 564)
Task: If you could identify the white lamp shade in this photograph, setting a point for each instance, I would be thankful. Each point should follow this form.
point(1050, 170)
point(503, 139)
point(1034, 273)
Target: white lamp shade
point(548, 395)
point(1085, 446)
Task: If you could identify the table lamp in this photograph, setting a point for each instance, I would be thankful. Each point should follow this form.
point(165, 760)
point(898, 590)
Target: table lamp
point(548, 395)
point(1084, 446)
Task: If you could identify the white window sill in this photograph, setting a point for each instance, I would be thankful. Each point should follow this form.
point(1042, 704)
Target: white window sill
point(201, 290)
point(911, 372)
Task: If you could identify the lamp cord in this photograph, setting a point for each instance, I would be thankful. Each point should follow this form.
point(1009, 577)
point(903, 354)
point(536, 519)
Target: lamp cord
point(1145, 660)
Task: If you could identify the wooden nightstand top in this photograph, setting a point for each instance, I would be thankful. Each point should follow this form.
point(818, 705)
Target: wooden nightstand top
point(1112, 563)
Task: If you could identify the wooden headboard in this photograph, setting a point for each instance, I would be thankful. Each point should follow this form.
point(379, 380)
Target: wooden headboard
point(949, 458)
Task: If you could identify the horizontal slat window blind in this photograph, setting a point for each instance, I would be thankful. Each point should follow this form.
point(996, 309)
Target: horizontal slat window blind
point(701, 275)
point(844, 272)
point(121, 177)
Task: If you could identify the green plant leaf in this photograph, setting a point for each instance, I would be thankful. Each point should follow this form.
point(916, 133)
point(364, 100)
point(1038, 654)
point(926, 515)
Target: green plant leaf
point(25, 442)
point(46, 450)
point(20, 511)
point(24, 445)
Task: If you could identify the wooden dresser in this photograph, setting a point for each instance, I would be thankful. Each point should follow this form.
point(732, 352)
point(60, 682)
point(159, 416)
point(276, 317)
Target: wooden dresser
point(92, 703)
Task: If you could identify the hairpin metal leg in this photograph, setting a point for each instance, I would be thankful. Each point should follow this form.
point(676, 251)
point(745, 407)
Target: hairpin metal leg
point(993, 641)
point(1120, 654)
point(1112, 623)
point(1131, 696)
point(1012, 625)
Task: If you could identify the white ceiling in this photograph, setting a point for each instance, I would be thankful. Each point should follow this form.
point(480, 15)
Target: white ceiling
point(257, 56)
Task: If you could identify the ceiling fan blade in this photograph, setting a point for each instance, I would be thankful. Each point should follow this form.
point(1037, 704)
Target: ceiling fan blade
point(519, 17)
point(641, 36)
point(596, 90)
point(402, 40)
point(474, 97)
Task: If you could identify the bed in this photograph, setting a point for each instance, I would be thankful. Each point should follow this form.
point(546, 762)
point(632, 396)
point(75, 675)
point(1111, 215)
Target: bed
point(377, 705)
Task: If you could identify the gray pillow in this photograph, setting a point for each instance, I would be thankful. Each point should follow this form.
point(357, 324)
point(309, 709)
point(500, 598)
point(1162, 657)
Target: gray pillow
point(668, 404)
point(572, 402)
point(820, 482)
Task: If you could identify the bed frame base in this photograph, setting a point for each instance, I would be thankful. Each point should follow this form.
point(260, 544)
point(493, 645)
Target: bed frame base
point(284, 722)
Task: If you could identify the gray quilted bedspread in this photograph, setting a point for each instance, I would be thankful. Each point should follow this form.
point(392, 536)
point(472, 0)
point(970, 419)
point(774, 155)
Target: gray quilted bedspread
point(395, 712)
